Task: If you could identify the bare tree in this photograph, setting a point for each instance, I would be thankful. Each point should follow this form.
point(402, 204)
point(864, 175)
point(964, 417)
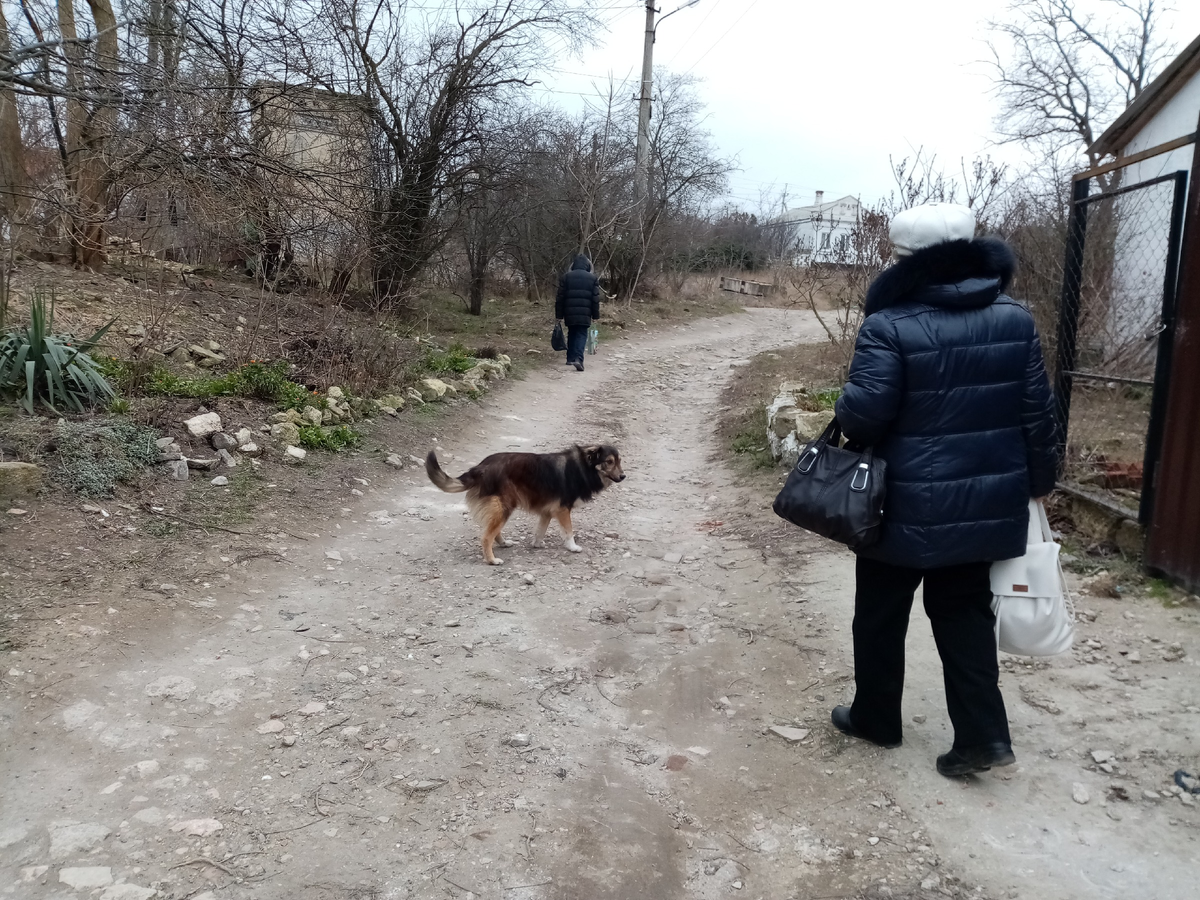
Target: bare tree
point(1064, 72)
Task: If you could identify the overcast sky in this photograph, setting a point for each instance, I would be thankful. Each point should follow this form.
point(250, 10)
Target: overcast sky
point(816, 95)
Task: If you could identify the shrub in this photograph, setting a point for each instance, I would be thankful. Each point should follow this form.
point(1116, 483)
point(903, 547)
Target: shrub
point(314, 437)
point(93, 458)
point(455, 359)
point(38, 366)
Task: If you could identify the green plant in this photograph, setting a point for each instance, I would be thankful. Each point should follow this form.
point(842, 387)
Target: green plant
point(119, 406)
point(56, 370)
point(827, 398)
point(315, 437)
point(456, 358)
point(259, 380)
point(92, 458)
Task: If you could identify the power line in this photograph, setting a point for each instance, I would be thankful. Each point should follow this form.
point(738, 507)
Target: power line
point(695, 31)
point(753, 3)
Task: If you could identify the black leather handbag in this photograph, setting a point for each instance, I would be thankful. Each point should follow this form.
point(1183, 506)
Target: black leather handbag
point(835, 492)
point(557, 341)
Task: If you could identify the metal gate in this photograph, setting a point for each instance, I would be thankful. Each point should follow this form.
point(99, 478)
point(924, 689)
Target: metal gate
point(1115, 333)
point(1173, 539)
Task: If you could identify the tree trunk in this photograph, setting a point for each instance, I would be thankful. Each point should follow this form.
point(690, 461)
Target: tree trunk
point(13, 193)
point(90, 121)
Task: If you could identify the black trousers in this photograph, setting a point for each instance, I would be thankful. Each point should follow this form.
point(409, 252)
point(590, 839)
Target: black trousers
point(577, 336)
point(958, 603)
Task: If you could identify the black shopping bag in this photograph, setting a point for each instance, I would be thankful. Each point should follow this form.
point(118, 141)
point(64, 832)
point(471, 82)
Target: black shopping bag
point(557, 340)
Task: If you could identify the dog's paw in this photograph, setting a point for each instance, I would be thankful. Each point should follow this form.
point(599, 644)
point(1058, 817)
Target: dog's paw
point(572, 546)
point(495, 561)
point(538, 545)
point(504, 542)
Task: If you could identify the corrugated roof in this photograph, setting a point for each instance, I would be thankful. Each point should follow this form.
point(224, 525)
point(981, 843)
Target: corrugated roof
point(1150, 100)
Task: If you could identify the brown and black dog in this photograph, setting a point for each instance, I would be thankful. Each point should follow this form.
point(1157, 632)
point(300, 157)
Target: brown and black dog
point(545, 484)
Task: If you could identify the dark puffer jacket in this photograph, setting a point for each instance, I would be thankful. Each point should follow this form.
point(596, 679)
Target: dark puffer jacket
point(578, 300)
point(949, 385)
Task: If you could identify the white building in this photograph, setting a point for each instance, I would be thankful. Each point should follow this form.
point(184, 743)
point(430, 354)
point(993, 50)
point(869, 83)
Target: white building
point(820, 232)
point(1161, 118)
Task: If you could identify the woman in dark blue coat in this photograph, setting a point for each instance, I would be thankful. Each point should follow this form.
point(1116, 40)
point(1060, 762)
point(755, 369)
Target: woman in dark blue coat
point(949, 385)
point(577, 303)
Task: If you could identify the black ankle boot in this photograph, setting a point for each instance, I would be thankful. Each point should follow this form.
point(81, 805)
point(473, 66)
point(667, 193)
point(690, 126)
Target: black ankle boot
point(975, 759)
point(841, 721)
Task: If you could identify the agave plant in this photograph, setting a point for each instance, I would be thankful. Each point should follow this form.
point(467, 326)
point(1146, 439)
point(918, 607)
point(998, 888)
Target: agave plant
point(37, 365)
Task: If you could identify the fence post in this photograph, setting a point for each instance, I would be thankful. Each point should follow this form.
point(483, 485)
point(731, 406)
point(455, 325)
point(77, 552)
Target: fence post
point(1068, 313)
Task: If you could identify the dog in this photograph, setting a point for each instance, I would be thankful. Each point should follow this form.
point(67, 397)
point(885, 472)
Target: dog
point(545, 484)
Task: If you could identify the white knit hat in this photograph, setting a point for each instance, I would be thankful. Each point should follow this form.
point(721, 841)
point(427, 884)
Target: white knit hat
point(934, 223)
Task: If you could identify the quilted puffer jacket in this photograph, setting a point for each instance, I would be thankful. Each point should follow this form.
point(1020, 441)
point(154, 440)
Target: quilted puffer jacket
point(578, 298)
point(949, 385)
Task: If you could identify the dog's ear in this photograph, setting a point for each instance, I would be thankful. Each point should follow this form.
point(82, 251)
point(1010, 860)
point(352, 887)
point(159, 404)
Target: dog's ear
point(593, 454)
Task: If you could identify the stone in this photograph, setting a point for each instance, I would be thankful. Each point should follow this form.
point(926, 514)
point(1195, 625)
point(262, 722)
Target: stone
point(289, 740)
point(170, 453)
point(790, 734)
point(519, 740)
point(312, 708)
point(1102, 756)
point(243, 436)
point(198, 827)
point(335, 555)
point(1129, 537)
point(673, 558)
point(220, 481)
point(203, 425)
point(701, 752)
point(204, 356)
point(528, 578)
point(919, 719)
point(675, 762)
point(202, 464)
point(335, 393)
point(274, 726)
point(227, 459)
point(311, 415)
point(128, 892)
point(30, 874)
point(643, 628)
point(415, 396)
point(286, 432)
point(1080, 794)
point(177, 469)
point(393, 401)
point(1150, 795)
point(222, 441)
point(171, 687)
point(72, 838)
point(252, 450)
point(164, 442)
point(432, 389)
point(83, 878)
point(394, 461)
point(346, 678)
point(288, 415)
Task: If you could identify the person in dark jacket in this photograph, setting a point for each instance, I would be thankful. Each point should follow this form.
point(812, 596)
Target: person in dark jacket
point(949, 386)
point(577, 304)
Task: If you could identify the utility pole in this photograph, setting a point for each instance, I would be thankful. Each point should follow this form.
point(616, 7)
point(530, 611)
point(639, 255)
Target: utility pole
point(642, 173)
point(641, 183)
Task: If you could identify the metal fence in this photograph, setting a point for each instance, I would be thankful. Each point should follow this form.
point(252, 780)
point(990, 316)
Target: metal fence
point(1114, 333)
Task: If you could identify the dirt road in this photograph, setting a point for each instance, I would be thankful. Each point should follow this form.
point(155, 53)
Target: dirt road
point(377, 714)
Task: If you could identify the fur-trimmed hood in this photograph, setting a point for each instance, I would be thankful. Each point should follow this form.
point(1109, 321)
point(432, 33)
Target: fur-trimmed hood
point(963, 274)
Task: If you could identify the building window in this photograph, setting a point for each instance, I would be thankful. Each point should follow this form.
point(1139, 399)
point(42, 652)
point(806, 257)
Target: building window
point(825, 241)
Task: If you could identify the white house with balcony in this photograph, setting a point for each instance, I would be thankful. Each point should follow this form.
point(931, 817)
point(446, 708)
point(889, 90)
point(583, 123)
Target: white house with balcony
point(820, 232)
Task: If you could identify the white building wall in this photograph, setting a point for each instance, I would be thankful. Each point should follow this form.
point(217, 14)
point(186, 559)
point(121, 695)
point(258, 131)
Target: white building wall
point(1142, 235)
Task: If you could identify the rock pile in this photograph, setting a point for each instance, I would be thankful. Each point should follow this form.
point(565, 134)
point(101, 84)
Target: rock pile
point(792, 422)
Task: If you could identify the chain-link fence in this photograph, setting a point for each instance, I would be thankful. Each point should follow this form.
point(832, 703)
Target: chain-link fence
point(1122, 254)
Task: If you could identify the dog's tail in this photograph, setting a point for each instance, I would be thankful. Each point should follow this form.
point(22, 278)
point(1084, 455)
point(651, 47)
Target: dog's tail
point(440, 478)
